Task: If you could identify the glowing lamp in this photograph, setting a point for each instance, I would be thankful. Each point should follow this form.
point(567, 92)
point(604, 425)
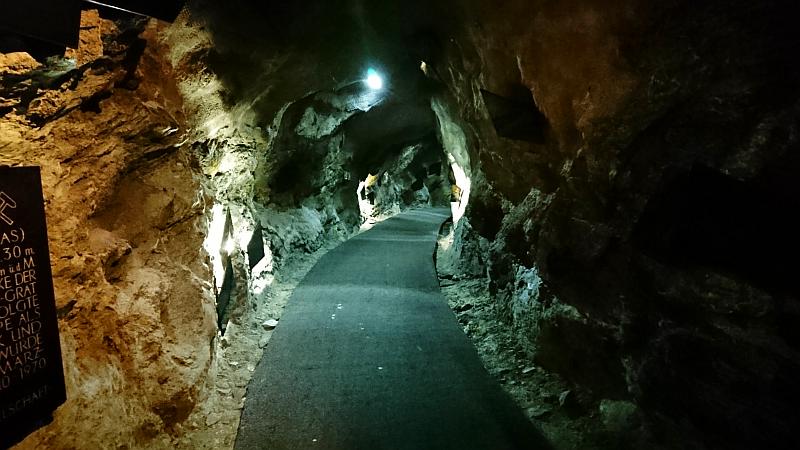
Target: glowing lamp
point(229, 246)
point(374, 80)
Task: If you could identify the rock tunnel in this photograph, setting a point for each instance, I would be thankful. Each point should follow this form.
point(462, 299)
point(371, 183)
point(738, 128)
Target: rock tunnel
point(618, 176)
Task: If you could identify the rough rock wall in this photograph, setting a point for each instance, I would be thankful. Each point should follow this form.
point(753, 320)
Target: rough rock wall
point(166, 154)
point(126, 218)
point(416, 178)
point(640, 238)
point(285, 141)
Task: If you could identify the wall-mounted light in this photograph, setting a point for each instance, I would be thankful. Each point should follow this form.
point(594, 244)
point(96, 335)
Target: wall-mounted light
point(374, 81)
point(229, 246)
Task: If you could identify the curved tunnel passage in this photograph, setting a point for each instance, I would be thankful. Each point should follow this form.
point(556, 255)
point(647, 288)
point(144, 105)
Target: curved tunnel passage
point(368, 355)
point(620, 176)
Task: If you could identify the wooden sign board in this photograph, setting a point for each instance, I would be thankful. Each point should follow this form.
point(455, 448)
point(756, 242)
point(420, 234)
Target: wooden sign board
point(31, 372)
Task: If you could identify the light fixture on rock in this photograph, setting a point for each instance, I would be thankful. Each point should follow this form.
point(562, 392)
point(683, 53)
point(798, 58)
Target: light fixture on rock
point(374, 80)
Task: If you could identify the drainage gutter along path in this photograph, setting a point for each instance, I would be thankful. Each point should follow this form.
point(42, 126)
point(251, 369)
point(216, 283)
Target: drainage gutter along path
point(369, 356)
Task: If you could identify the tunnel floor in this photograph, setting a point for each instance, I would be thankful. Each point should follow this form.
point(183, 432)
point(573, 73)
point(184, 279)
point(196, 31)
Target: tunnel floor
point(369, 356)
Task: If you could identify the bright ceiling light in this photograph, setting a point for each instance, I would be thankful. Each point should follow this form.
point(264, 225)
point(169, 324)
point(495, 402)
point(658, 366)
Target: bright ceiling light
point(229, 246)
point(374, 81)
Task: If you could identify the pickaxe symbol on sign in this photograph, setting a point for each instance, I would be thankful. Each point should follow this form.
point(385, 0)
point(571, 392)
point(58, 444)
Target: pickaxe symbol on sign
point(6, 202)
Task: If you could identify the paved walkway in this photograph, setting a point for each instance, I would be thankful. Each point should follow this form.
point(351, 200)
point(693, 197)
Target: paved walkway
point(369, 356)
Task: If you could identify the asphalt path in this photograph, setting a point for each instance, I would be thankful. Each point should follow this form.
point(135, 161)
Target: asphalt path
point(369, 356)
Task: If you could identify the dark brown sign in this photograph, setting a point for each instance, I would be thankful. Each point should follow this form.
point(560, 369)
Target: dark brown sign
point(31, 373)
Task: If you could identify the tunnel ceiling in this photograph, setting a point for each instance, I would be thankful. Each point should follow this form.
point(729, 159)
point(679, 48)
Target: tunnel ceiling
point(45, 28)
point(270, 53)
point(377, 135)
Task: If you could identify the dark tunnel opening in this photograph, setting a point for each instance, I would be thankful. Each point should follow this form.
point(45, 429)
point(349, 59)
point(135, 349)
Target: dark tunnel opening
point(516, 116)
point(747, 228)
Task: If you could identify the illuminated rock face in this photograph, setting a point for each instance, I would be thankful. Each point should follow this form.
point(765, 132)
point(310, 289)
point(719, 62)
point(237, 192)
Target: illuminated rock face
point(125, 216)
